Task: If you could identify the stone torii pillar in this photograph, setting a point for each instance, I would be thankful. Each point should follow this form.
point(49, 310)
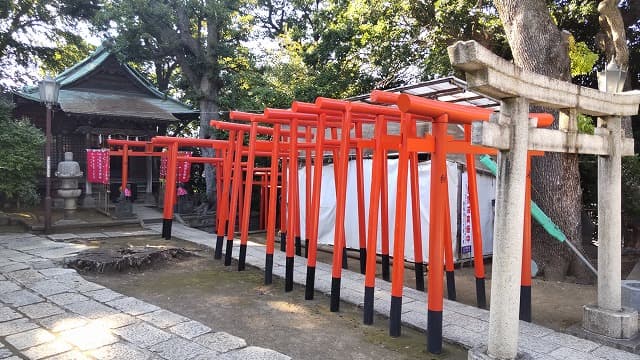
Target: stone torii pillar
point(512, 133)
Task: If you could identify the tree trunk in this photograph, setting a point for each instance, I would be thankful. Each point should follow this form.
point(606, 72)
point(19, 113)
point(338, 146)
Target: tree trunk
point(539, 46)
point(209, 111)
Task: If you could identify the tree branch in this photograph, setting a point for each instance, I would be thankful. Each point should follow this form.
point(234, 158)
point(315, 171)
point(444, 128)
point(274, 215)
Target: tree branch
point(614, 41)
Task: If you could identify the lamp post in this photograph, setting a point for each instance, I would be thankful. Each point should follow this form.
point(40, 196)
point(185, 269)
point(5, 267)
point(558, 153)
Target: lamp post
point(49, 90)
point(612, 78)
point(608, 318)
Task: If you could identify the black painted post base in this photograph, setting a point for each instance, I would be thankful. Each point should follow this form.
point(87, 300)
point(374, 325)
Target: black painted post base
point(309, 289)
point(525, 303)
point(306, 248)
point(345, 263)
point(298, 246)
point(283, 241)
point(395, 316)
point(243, 257)
point(166, 228)
point(385, 267)
point(219, 243)
point(368, 305)
point(363, 260)
point(434, 331)
point(419, 270)
point(335, 295)
point(288, 275)
point(481, 295)
point(268, 269)
point(451, 285)
point(227, 253)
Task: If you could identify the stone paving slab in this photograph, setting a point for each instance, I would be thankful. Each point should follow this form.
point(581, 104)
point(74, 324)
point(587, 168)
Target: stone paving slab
point(163, 318)
point(47, 312)
point(20, 298)
point(190, 329)
point(29, 338)
point(178, 348)
point(132, 306)
point(143, 334)
point(464, 325)
point(62, 237)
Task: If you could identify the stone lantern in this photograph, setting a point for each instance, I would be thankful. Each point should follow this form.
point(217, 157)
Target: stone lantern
point(68, 174)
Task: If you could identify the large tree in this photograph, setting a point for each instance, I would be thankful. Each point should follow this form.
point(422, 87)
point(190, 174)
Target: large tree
point(35, 29)
point(530, 33)
point(345, 48)
point(539, 45)
point(202, 37)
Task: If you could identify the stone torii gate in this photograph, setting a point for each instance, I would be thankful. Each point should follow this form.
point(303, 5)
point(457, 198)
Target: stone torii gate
point(512, 133)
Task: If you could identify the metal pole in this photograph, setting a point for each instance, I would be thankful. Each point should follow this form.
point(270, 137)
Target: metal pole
point(47, 199)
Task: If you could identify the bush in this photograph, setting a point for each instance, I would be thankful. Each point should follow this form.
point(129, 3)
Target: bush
point(21, 160)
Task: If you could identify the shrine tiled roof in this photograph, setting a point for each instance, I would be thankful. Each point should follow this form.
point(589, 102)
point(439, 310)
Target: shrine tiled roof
point(104, 86)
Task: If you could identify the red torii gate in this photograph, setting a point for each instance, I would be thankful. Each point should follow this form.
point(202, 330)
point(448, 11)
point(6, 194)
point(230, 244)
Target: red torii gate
point(127, 150)
point(172, 144)
point(442, 114)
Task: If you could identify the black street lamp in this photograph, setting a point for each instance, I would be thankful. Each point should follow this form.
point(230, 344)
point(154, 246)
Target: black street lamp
point(49, 90)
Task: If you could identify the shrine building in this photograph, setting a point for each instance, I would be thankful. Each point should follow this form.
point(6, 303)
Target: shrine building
point(102, 97)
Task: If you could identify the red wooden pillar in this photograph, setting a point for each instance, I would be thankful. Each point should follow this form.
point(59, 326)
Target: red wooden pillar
point(307, 192)
point(318, 163)
point(415, 213)
point(525, 282)
point(476, 230)
point(448, 243)
point(222, 212)
point(170, 190)
point(236, 185)
point(125, 169)
point(339, 245)
point(284, 195)
point(293, 196)
point(360, 193)
point(379, 162)
point(397, 281)
point(273, 198)
point(246, 206)
point(436, 232)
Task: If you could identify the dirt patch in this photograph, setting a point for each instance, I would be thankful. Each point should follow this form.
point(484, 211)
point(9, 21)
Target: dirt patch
point(239, 303)
point(123, 259)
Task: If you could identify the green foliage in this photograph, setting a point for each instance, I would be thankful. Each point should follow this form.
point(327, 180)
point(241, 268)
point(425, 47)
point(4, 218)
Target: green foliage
point(631, 186)
point(34, 29)
point(20, 158)
point(448, 21)
point(65, 55)
point(582, 58)
point(586, 124)
point(339, 48)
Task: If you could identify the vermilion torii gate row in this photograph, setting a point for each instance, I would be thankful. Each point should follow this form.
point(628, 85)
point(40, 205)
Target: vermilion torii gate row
point(346, 115)
point(542, 116)
point(439, 144)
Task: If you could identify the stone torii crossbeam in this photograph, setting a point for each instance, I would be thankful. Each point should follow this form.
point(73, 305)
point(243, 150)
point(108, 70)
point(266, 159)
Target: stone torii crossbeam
point(513, 134)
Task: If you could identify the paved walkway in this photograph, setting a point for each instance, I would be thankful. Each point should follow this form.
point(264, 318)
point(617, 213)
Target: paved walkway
point(50, 312)
point(463, 324)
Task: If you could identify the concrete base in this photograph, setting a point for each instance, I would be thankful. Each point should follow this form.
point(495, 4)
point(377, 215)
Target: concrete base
point(614, 324)
point(630, 345)
point(123, 210)
point(88, 201)
point(631, 294)
point(480, 353)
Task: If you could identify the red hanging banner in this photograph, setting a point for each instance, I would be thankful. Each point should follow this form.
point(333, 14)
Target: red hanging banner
point(98, 166)
point(184, 167)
